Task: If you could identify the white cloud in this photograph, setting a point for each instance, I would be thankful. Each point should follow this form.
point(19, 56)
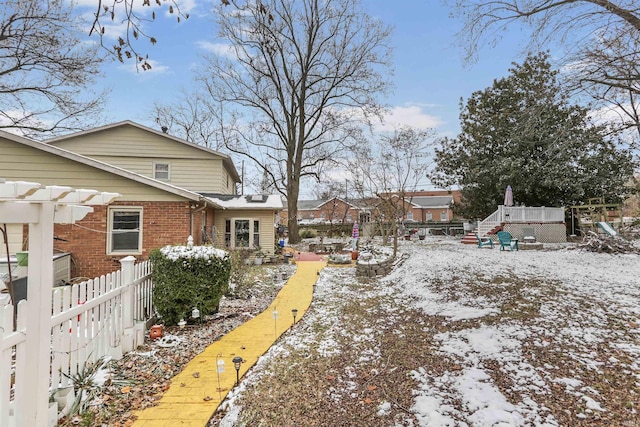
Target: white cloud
point(156, 68)
point(409, 115)
point(219, 49)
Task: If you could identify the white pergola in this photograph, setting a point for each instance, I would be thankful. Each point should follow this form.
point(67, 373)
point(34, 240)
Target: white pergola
point(41, 207)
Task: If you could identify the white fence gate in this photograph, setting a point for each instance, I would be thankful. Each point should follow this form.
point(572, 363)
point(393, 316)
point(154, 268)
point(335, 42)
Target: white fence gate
point(103, 317)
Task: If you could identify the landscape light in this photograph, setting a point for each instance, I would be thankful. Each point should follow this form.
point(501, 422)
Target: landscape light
point(294, 311)
point(237, 361)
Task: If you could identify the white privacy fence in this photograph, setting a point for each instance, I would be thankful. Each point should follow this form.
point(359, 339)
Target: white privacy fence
point(520, 214)
point(103, 317)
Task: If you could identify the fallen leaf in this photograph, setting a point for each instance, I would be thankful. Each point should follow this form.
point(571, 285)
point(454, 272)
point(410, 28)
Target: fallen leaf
point(330, 377)
point(126, 389)
point(371, 387)
point(207, 398)
point(196, 375)
point(183, 385)
point(368, 401)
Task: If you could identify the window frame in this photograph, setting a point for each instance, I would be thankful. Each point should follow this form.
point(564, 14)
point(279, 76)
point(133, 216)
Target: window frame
point(168, 171)
point(230, 232)
point(110, 231)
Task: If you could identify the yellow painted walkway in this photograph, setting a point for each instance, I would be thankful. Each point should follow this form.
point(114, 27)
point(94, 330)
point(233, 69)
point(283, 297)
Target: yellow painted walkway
point(194, 394)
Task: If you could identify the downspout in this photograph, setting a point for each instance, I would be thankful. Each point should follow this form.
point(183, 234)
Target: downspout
point(192, 213)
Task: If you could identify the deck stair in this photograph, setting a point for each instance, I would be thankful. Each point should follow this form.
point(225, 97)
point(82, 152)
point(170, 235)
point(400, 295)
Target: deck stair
point(470, 238)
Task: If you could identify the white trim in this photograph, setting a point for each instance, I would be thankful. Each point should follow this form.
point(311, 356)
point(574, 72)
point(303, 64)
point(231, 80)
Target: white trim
point(168, 171)
point(232, 228)
point(110, 211)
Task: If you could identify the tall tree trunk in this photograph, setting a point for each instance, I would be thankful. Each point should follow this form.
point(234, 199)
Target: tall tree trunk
point(293, 190)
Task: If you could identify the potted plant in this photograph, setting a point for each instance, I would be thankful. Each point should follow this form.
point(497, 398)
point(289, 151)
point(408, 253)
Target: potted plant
point(259, 257)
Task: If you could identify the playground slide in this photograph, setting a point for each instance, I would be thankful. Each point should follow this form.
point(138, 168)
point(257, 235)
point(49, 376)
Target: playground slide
point(607, 228)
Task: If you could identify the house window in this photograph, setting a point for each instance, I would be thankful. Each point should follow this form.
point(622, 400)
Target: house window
point(443, 216)
point(241, 233)
point(226, 177)
point(161, 171)
point(227, 233)
point(311, 216)
point(256, 233)
point(124, 234)
point(429, 216)
point(410, 215)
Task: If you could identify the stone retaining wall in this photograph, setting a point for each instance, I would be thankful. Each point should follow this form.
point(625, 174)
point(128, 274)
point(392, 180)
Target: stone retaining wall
point(373, 269)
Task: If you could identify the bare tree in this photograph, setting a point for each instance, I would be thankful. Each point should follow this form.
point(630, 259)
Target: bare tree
point(301, 78)
point(602, 38)
point(609, 73)
point(46, 71)
point(128, 12)
point(387, 174)
point(190, 118)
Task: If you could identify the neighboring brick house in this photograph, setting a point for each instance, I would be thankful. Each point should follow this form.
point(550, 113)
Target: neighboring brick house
point(420, 206)
point(430, 206)
point(334, 210)
point(169, 188)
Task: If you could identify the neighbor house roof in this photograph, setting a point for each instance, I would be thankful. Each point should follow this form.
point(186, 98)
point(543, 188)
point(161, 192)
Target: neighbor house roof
point(338, 198)
point(306, 205)
point(433, 202)
point(51, 149)
point(225, 158)
point(256, 201)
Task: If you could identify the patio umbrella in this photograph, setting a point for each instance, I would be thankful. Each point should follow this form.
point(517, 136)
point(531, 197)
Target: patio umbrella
point(508, 196)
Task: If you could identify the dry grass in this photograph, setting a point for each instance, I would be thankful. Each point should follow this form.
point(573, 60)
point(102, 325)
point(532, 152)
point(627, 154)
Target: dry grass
point(364, 350)
point(357, 368)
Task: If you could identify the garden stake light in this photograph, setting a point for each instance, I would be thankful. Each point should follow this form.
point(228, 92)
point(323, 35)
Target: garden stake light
point(219, 370)
point(275, 323)
point(237, 361)
point(294, 311)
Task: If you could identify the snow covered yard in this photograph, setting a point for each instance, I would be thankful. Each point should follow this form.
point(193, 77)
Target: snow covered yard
point(458, 336)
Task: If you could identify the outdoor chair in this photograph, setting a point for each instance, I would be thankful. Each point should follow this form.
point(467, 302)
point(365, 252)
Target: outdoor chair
point(507, 241)
point(484, 241)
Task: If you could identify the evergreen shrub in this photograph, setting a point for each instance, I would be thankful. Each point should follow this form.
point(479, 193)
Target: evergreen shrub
point(186, 277)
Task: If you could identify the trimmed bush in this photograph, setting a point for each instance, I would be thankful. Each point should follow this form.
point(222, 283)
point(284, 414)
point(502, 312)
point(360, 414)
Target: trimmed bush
point(308, 233)
point(187, 277)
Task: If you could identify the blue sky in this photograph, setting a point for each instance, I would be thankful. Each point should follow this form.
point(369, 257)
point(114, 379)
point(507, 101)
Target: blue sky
point(430, 73)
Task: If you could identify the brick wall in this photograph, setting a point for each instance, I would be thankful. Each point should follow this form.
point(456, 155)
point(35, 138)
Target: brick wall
point(163, 223)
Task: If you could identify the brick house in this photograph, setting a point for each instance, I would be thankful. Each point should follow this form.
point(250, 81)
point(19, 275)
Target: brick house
point(429, 206)
point(334, 210)
point(170, 189)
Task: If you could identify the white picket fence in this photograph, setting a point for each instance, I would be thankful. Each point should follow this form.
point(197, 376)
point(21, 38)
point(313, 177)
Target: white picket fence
point(103, 317)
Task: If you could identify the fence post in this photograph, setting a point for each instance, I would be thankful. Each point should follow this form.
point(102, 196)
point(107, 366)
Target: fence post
point(32, 398)
point(128, 303)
